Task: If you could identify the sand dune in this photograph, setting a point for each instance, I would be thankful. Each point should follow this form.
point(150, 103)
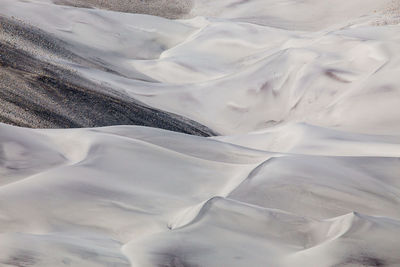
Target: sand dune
point(301, 99)
point(40, 90)
point(146, 197)
point(234, 76)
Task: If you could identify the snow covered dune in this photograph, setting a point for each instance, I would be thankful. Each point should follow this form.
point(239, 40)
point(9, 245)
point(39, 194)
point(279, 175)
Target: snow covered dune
point(272, 138)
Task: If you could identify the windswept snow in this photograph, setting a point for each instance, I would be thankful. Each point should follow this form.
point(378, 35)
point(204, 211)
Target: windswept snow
point(304, 97)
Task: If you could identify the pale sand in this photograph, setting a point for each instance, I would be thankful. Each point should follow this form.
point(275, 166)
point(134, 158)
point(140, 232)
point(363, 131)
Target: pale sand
point(305, 172)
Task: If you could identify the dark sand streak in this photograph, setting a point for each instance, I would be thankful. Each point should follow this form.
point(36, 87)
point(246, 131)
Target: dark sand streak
point(172, 9)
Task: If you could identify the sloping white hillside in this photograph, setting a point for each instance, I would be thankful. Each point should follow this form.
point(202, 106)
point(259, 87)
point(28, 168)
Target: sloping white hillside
point(305, 171)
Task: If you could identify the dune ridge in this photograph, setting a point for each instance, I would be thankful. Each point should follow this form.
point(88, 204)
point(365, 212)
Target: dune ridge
point(238, 133)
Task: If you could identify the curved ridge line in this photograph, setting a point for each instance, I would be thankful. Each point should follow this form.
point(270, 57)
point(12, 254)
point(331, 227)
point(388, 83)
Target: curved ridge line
point(205, 206)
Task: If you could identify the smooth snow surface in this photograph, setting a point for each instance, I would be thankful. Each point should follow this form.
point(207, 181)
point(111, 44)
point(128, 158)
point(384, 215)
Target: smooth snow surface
point(305, 172)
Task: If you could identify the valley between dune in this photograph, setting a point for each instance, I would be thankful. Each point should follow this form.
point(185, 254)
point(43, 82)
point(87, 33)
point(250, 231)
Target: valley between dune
point(199, 133)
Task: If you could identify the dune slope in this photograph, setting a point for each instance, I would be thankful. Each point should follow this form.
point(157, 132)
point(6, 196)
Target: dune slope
point(239, 133)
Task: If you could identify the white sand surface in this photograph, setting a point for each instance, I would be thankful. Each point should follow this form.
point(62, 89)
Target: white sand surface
point(136, 196)
point(305, 172)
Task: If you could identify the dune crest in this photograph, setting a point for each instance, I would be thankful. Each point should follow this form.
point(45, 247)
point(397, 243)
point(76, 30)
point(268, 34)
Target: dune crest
point(205, 133)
